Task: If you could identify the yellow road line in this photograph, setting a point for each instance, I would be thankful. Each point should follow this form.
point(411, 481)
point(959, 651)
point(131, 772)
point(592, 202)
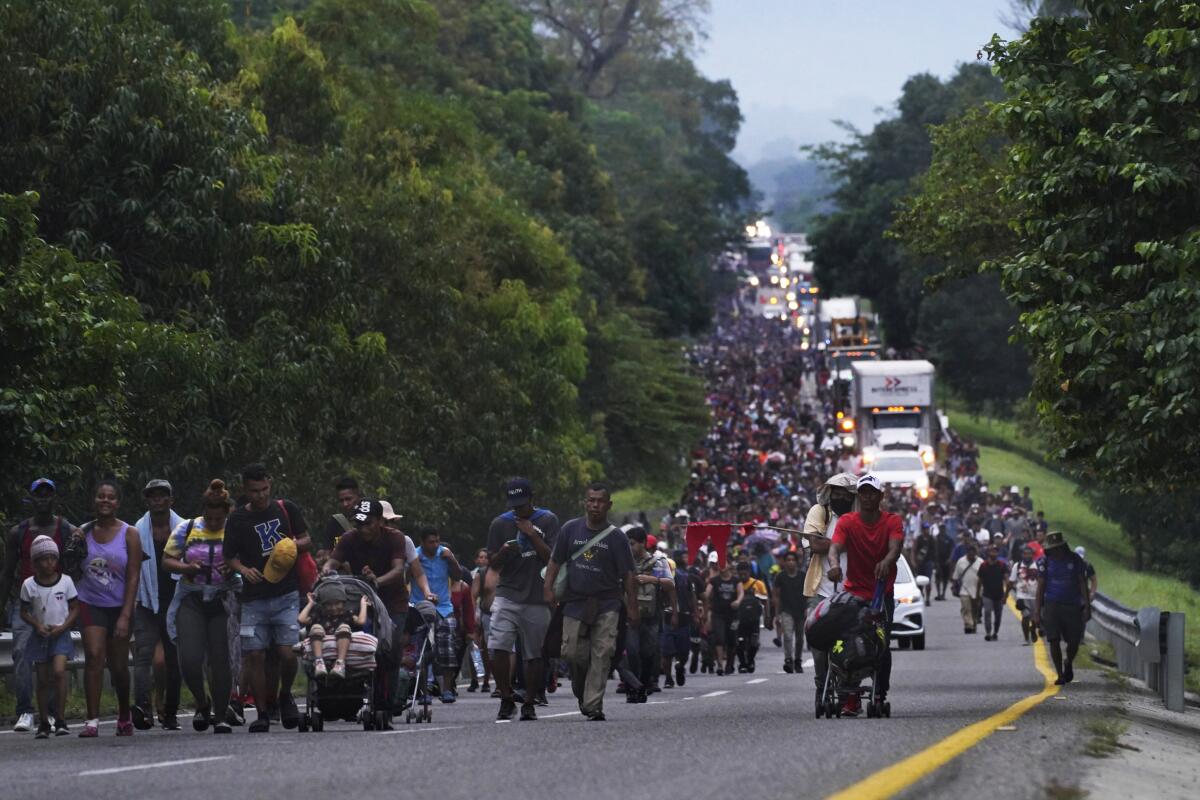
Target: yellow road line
point(899, 776)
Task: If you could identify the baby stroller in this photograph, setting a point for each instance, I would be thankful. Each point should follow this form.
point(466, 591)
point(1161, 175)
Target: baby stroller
point(420, 702)
point(852, 633)
point(362, 696)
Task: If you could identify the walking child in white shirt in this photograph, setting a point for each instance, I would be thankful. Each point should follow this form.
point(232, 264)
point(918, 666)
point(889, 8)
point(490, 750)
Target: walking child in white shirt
point(48, 605)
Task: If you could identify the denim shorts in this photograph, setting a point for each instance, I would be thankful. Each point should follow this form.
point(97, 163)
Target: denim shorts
point(44, 648)
point(270, 621)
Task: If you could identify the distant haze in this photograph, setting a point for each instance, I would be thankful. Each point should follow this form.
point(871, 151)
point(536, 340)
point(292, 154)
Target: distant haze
point(797, 65)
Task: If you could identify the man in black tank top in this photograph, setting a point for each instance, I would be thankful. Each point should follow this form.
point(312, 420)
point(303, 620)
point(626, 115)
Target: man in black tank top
point(722, 597)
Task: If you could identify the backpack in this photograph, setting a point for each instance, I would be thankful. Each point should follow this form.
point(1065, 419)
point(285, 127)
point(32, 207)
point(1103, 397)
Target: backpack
point(832, 618)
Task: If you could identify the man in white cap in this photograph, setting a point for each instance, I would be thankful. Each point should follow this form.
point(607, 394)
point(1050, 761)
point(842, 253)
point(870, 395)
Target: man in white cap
point(871, 539)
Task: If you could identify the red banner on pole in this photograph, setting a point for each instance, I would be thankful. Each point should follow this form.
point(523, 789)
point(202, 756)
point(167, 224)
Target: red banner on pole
point(717, 533)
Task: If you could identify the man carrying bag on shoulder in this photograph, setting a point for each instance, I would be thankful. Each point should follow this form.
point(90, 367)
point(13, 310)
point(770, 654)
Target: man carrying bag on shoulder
point(598, 563)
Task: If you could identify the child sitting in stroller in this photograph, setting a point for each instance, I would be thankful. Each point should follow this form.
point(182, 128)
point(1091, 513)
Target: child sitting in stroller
point(331, 613)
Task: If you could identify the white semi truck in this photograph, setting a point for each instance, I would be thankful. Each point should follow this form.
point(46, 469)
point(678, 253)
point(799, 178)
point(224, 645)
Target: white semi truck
point(892, 405)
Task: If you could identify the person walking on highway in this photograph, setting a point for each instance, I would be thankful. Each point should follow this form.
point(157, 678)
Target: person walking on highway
point(835, 499)
point(49, 606)
point(261, 543)
point(107, 590)
point(652, 577)
point(722, 598)
point(1023, 582)
point(871, 539)
point(966, 585)
point(599, 565)
point(195, 552)
point(519, 544)
point(992, 592)
point(19, 567)
point(1063, 606)
point(792, 607)
point(1089, 571)
point(155, 659)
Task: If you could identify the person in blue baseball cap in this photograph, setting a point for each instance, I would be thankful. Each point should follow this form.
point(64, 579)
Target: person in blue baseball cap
point(18, 565)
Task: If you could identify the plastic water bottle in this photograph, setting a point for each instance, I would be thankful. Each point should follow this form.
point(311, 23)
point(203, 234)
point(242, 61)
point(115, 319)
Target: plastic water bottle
point(477, 660)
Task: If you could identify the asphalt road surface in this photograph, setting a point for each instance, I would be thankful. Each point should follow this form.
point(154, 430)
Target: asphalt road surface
point(730, 737)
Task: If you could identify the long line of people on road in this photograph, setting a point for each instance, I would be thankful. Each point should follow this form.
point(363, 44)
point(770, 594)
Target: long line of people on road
point(223, 602)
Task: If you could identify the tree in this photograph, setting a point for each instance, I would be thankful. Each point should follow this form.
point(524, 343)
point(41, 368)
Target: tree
point(875, 172)
point(1103, 117)
point(595, 36)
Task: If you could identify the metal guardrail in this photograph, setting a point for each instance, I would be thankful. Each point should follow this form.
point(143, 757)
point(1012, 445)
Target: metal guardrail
point(6, 648)
point(1148, 644)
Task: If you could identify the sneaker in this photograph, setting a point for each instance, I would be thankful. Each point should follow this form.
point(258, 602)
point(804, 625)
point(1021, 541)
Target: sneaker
point(91, 729)
point(777, 642)
point(495, 693)
point(631, 696)
point(1068, 674)
point(541, 700)
point(222, 727)
point(787, 666)
point(852, 707)
point(485, 687)
point(680, 675)
point(507, 708)
point(720, 672)
point(448, 697)
point(261, 725)
point(201, 720)
point(168, 722)
point(669, 683)
point(319, 669)
point(1061, 680)
point(236, 713)
point(124, 727)
point(60, 728)
point(474, 687)
point(596, 716)
point(339, 670)
point(528, 713)
point(43, 730)
point(24, 723)
point(142, 719)
point(289, 715)
point(800, 665)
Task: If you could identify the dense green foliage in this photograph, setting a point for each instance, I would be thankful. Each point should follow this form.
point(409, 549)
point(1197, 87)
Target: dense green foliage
point(882, 243)
point(1104, 173)
point(377, 237)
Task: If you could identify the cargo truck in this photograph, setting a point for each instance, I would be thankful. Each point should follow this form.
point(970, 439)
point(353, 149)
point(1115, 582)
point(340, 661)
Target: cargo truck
point(892, 408)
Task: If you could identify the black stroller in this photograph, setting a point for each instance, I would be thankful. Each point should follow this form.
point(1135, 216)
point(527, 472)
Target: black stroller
point(854, 636)
point(362, 696)
point(419, 706)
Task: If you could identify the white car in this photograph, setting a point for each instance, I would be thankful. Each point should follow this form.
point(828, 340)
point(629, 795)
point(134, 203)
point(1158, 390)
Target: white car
point(899, 468)
point(908, 620)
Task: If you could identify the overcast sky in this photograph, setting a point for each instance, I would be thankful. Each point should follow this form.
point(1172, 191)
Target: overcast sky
point(799, 64)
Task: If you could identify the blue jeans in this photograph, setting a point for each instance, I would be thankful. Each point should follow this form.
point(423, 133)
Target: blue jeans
point(270, 621)
point(22, 669)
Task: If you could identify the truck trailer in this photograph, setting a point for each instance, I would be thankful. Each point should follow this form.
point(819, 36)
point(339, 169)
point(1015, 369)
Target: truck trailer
point(892, 405)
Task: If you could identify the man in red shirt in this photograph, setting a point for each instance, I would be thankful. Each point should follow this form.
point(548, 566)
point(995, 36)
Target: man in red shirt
point(871, 540)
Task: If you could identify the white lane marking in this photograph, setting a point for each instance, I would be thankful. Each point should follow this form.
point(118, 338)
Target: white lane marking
point(561, 714)
point(155, 765)
point(757, 680)
point(420, 729)
point(657, 702)
point(688, 698)
point(716, 694)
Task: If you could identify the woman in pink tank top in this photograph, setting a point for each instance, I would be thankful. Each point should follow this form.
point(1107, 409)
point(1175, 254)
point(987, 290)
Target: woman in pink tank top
point(107, 590)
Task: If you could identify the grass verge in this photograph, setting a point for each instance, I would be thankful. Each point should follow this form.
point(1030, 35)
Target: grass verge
point(1105, 733)
point(1108, 549)
point(643, 498)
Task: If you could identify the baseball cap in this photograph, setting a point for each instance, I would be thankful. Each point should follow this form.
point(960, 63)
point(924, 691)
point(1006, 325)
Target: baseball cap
point(158, 483)
point(518, 492)
point(388, 512)
point(283, 558)
point(42, 546)
point(870, 480)
point(365, 509)
point(1054, 539)
point(663, 546)
point(1081, 551)
point(713, 558)
point(651, 541)
point(40, 482)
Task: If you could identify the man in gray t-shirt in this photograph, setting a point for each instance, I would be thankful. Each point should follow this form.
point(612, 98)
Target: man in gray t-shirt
point(519, 544)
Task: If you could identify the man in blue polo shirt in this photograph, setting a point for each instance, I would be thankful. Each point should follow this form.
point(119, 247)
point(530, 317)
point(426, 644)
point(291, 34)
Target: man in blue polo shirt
point(1063, 607)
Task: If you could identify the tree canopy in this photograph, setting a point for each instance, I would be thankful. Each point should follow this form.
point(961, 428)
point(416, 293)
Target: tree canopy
point(384, 238)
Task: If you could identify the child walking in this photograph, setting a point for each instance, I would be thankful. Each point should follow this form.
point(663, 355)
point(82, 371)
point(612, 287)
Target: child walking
point(48, 605)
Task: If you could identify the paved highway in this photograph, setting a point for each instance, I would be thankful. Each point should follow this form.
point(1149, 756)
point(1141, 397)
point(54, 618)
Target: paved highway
point(734, 737)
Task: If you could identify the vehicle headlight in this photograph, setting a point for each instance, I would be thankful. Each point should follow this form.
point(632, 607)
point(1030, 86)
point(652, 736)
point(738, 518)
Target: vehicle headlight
point(848, 441)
